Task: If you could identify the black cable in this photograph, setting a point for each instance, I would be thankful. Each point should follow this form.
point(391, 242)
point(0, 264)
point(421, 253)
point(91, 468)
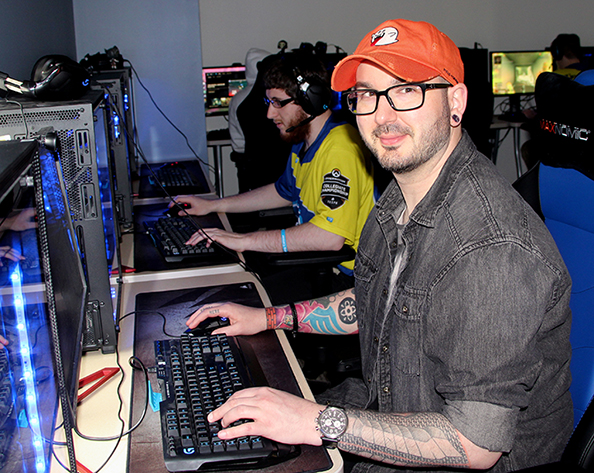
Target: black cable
point(167, 118)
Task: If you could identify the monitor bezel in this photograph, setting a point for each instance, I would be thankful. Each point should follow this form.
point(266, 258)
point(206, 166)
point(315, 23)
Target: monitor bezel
point(492, 54)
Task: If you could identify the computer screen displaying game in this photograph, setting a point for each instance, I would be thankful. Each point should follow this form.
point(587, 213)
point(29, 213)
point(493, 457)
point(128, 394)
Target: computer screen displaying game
point(220, 84)
point(514, 73)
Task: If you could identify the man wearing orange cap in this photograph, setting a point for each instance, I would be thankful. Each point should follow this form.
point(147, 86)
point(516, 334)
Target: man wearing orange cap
point(461, 298)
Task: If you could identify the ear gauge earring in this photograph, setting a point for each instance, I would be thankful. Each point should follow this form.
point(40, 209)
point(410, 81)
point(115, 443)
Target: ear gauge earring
point(456, 118)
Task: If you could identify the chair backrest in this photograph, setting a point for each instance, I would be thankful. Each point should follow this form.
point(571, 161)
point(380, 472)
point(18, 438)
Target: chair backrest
point(567, 203)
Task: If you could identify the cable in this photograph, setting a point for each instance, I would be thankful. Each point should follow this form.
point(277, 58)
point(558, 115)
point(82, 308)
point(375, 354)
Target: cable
point(171, 199)
point(166, 117)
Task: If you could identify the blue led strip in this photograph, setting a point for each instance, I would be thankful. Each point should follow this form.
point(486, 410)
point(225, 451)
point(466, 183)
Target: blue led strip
point(28, 373)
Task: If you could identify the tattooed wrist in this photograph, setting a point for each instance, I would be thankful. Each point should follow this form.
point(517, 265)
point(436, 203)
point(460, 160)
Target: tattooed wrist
point(284, 319)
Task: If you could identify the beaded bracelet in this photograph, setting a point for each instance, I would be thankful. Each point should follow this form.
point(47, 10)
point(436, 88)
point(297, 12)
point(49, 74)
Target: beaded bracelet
point(270, 318)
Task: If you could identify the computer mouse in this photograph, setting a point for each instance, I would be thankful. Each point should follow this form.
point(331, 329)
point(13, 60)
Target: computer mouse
point(175, 210)
point(207, 326)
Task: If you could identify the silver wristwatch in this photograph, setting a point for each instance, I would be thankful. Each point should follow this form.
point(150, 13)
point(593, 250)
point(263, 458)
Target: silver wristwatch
point(332, 424)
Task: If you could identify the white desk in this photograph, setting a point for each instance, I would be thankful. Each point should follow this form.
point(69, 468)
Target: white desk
point(98, 414)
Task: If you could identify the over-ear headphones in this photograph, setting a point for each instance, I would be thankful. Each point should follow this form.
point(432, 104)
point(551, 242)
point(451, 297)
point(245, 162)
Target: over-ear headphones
point(564, 42)
point(58, 77)
point(314, 96)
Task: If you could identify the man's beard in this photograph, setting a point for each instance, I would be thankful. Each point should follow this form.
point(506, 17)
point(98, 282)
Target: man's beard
point(300, 133)
point(436, 138)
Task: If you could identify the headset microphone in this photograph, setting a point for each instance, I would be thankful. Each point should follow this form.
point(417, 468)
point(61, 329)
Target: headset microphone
point(300, 124)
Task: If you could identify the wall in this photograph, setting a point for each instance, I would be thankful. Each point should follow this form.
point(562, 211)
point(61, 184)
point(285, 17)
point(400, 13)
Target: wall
point(230, 27)
point(161, 39)
point(30, 29)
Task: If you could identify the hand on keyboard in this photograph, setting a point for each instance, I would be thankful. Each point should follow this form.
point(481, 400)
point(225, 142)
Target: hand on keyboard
point(244, 320)
point(231, 240)
point(276, 415)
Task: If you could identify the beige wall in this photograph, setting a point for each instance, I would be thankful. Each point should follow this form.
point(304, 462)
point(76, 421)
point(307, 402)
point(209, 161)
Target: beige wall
point(229, 28)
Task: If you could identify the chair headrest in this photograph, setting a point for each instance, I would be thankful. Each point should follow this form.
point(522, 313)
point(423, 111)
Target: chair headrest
point(565, 110)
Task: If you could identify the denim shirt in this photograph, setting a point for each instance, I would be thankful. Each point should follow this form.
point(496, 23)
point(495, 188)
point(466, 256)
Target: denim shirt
point(479, 320)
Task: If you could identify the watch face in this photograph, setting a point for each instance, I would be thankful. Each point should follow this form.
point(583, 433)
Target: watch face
point(333, 422)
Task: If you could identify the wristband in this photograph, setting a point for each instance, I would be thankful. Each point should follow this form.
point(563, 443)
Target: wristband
point(284, 241)
point(295, 320)
point(270, 318)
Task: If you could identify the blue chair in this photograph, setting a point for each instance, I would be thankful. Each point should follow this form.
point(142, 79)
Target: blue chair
point(567, 203)
point(560, 188)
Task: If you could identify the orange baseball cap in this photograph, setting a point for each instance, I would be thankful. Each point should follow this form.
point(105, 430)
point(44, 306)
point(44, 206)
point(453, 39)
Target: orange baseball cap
point(414, 51)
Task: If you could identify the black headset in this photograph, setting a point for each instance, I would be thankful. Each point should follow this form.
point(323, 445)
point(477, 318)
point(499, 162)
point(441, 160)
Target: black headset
point(563, 42)
point(313, 95)
point(58, 77)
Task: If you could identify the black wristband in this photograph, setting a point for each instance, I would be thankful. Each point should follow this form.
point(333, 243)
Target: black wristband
point(295, 320)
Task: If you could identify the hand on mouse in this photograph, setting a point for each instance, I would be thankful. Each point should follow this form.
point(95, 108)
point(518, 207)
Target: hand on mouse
point(243, 320)
point(195, 205)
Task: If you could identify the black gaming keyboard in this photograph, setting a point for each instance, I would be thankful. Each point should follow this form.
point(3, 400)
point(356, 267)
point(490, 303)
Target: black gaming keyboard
point(169, 235)
point(172, 177)
point(197, 374)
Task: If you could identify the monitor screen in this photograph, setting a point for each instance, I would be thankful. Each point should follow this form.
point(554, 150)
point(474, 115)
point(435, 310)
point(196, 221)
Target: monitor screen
point(515, 72)
point(43, 323)
point(220, 84)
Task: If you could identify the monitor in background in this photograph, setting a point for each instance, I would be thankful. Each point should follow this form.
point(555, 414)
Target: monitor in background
point(513, 75)
point(220, 84)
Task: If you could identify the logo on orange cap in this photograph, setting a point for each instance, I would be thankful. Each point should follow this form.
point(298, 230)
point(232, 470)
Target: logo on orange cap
point(384, 36)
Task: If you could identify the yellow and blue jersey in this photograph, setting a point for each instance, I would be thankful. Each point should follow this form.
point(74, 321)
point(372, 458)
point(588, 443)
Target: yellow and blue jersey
point(331, 182)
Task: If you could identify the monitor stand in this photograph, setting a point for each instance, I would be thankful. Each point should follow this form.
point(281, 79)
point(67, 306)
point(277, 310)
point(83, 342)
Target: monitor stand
point(515, 113)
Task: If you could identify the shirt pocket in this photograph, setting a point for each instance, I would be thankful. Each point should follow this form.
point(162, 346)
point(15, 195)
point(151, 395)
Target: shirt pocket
point(405, 338)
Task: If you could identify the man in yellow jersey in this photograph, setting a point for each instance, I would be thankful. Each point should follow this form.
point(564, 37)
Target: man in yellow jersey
point(328, 179)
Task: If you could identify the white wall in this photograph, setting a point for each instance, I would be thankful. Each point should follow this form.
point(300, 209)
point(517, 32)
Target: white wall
point(161, 38)
point(230, 27)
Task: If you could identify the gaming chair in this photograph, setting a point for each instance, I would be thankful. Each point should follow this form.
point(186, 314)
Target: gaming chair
point(560, 188)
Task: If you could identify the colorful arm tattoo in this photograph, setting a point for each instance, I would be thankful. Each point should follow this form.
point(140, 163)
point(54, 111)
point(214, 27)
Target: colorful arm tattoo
point(334, 315)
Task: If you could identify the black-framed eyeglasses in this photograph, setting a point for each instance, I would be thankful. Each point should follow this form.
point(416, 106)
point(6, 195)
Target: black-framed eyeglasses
point(276, 103)
point(401, 97)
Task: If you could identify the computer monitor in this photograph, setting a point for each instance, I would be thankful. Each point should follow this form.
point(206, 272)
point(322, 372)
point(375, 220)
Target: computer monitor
point(43, 323)
point(220, 84)
point(514, 73)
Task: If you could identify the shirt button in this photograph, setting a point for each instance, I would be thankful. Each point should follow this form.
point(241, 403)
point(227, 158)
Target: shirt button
point(369, 380)
point(385, 348)
point(404, 309)
point(385, 292)
point(375, 339)
point(386, 389)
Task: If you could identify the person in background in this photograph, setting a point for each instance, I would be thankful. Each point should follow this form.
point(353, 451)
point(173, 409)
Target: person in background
point(567, 54)
point(328, 178)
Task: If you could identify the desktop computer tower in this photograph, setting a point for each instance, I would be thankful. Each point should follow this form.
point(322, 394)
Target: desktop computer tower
point(81, 127)
point(115, 86)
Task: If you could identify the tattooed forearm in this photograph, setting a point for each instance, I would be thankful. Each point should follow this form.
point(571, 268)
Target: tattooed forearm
point(420, 439)
point(333, 314)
